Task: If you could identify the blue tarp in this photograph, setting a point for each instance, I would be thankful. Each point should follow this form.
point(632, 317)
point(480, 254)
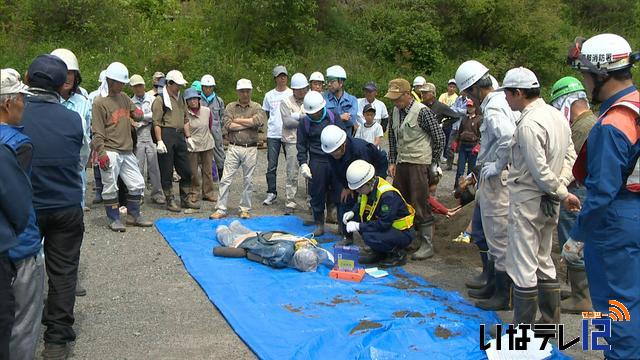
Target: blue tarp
point(287, 314)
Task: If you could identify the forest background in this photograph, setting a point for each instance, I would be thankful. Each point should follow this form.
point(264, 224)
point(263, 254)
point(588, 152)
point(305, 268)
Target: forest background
point(372, 39)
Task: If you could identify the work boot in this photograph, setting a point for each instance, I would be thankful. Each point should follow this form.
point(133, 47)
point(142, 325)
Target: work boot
point(370, 256)
point(394, 258)
point(134, 216)
point(318, 219)
point(580, 299)
point(346, 240)
point(486, 291)
point(549, 301)
point(425, 251)
point(525, 305)
point(187, 203)
point(53, 351)
point(113, 213)
point(332, 213)
point(480, 280)
point(80, 290)
point(171, 201)
point(501, 298)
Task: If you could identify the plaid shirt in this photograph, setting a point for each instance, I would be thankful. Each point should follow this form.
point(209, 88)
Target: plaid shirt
point(428, 122)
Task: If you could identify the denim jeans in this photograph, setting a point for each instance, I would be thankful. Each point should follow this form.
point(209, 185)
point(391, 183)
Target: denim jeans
point(567, 218)
point(465, 157)
point(273, 154)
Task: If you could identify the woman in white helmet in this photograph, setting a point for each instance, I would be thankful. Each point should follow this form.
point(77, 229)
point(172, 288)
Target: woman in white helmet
point(381, 216)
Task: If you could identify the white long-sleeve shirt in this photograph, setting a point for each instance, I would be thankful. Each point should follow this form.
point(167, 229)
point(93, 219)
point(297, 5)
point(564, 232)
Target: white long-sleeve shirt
point(496, 131)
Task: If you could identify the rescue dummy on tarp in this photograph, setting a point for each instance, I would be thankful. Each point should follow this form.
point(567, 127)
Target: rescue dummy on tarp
point(278, 249)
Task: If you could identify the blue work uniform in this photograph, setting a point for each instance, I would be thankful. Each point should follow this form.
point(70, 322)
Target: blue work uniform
point(346, 104)
point(355, 149)
point(609, 222)
point(378, 233)
point(310, 152)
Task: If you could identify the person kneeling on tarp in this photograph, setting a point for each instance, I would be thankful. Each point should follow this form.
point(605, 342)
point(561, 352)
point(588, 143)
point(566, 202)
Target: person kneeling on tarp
point(381, 216)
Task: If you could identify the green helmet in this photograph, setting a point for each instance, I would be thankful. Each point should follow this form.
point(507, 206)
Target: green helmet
point(196, 85)
point(564, 86)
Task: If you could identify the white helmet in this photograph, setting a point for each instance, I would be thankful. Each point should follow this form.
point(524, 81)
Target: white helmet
point(601, 54)
point(299, 81)
point(469, 73)
point(68, 57)
point(208, 80)
point(118, 72)
point(337, 71)
point(316, 76)
point(102, 77)
point(331, 138)
point(419, 81)
point(313, 102)
point(358, 173)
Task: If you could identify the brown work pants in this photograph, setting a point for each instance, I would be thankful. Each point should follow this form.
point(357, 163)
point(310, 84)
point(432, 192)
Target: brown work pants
point(201, 179)
point(412, 180)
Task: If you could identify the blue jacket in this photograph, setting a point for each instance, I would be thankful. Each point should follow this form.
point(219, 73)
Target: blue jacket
point(390, 208)
point(57, 136)
point(29, 241)
point(15, 199)
point(613, 149)
point(309, 145)
point(346, 104)
point(363, 150)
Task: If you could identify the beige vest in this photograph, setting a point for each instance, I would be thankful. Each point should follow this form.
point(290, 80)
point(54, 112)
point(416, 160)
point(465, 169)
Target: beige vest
point(413, 143)
point(200, 132)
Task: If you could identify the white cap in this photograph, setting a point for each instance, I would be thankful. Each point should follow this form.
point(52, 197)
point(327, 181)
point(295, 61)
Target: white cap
point(520, 78)
point(451, 81)
point(336, 71)
point(299, 81)
point(244, 84)
point(176, 77)
point(136, 79)
point(68, 57)
point(280, 69)
point(208, 80)
point(419, 81)
point(316, 76)
point(10, 83)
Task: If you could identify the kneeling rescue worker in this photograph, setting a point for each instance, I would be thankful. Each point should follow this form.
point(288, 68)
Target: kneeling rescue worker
point(381, 216)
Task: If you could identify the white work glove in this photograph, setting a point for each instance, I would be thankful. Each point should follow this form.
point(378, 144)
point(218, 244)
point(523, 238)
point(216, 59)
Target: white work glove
point(488, 170)
point(190, 144)
point(296, 115)
point(573, 251)
point(347, 216)
point(353, 226)
point(161, 147)
point(305, 171)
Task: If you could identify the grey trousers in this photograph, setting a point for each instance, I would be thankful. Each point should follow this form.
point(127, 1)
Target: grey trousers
point(28, 288)
point(291, 187)
point(147, 156)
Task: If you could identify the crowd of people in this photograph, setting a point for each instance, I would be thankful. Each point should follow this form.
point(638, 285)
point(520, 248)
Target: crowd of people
point(518, 157)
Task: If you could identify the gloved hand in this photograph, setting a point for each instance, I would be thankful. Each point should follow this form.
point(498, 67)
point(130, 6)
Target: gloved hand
point(305, 171)
point(161, 148)
point(347, 216)
point(476, 149)
point(138, 112)
point(488, 170)
point(454, 146)
point(190, 144)
point(548, 204)
point(573, 251)
point(104, 162)
point(296, 115)
point(353, 226)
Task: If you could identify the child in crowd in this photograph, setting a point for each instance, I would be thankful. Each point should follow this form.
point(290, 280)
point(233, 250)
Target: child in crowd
point(370, 131)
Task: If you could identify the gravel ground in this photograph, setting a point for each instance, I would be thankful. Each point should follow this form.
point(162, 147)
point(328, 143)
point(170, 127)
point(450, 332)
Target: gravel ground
point(142, 304)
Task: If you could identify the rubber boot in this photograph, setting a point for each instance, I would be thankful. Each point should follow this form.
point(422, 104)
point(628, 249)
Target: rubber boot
point(580, 299)
point(426, 246)
point(113, 213)
point(486, 291)
point(549, 301)
point(501, 298)
point(525, 305)
point(332, 213)
point(171, 201)
point(319, 223)
point(481, 280)
point(134, 216)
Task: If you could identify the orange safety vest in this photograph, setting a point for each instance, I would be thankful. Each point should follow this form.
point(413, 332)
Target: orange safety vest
point(628, 125)
point(383, 186)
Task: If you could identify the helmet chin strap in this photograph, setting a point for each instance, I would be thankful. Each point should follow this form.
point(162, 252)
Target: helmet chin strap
point(598, 83)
